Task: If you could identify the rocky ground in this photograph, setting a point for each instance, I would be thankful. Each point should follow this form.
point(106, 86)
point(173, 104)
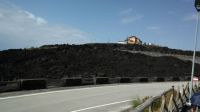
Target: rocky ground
point(110, 60)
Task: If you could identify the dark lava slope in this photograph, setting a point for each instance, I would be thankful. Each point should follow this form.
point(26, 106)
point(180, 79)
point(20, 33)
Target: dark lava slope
point(58, 61)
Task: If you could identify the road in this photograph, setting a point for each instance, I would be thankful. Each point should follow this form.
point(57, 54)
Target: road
point(93, 99)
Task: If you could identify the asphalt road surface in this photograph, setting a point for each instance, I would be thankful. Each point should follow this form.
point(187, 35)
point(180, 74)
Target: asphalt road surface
point(109, 98)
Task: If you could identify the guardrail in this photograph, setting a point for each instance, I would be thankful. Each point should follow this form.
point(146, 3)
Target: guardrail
point(174, 103)
point(31, 84)
point(80, 81)
point(149, 103)
point(9, 86)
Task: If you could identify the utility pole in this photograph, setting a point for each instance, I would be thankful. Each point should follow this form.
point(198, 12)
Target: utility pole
point(197, 6)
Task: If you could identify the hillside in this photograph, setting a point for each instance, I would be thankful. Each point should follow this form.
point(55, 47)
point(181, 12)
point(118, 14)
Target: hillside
point(58, 61)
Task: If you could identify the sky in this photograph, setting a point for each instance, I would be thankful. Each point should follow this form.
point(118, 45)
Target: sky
point(33, 23)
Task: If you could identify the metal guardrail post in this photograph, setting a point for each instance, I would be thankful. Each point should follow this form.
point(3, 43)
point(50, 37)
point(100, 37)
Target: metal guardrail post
point(163, 106)
point(181, 99)
point(150, 108)
point(170, 106)
point(184, 94)
point(174, 100)
point(95, 80)
point(188, 89)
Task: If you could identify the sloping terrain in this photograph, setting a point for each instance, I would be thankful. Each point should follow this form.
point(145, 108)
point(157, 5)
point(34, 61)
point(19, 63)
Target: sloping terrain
point(58, 61)
point(157, 54)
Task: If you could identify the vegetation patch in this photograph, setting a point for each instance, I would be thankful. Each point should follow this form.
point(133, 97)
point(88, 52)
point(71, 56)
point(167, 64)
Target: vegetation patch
point(137, 102)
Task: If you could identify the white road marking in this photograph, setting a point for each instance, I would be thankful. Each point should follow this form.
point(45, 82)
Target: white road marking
point(59, 91)
point(101, 106)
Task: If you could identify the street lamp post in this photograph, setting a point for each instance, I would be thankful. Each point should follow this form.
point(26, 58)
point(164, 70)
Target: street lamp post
point(197, 6)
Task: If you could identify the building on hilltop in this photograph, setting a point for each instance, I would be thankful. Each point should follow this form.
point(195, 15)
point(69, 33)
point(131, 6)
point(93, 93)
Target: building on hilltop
point(133, 40)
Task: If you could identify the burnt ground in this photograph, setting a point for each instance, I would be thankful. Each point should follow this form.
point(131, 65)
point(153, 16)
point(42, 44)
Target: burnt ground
point(102, 60)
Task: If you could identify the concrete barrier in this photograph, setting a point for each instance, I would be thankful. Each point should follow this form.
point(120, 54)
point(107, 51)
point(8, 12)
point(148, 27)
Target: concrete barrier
point(88, 81)
point(114, 80)
point(188, 78)
point(151, 79)
point(144, 79)
point(160, 79)
point(6, 86)
point(52, 83)
point(135, 79)
point(102, 80)
point(73, 81)
point(168, 79)
point(31, 84)
point(125, 80)
point(176, 79)
point(3, 83)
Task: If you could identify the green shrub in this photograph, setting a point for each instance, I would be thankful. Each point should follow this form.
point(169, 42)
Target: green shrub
point(137, 102)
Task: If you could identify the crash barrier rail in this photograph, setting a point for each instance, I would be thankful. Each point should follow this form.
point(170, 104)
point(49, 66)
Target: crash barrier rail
point(72, 82)
point(8, 86)
point(23, 84)
point(125, 80)
point(52, 83)
point(174, 103)
point(102, 80)
point(77, 81)
point(160, 79)
point(30, 84)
